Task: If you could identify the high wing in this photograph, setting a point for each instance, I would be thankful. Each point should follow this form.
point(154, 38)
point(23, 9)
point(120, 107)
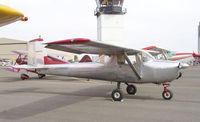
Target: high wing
point(81, 45)
point(9, 15)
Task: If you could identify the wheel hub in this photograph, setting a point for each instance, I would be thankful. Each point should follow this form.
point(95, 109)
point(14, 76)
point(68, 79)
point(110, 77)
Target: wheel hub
point(167, 95)
point(131, 89)
point(117, 95)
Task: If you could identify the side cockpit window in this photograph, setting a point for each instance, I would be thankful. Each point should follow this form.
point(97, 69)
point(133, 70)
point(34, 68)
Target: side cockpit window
point(136, 59)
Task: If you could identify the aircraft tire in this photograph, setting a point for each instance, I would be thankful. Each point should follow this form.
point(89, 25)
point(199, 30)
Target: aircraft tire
point(117, 95)
point(24, 76)
point(131, 89)
point(167, 96)
point(40, 76)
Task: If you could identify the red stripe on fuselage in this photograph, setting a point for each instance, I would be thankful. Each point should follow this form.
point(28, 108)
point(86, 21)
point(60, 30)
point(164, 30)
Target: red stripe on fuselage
point(183, 54)
point(192, 54)
point(179, 58)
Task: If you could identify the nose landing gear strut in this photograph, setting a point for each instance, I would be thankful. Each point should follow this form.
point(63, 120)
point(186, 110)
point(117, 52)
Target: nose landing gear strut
point(167, 94)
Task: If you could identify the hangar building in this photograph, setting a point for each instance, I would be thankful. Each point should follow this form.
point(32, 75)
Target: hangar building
point(7, 45)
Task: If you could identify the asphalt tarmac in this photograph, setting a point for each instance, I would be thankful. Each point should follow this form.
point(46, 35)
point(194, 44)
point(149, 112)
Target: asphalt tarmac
point(65, 99)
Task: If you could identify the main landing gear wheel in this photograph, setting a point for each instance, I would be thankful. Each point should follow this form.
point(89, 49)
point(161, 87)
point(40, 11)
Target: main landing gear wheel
point(40, 76)
point(131, 89)
point(167, 94)
point(117, 94)
point(24, 76)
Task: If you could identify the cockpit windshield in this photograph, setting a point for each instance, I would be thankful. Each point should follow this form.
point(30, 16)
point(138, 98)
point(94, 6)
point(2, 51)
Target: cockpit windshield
point(145, 56)
point(138, 58)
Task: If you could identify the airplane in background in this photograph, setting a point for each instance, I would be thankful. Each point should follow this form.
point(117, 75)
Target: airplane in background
point(9, 15)
point(124, 65)
point(22, 59)
point(160, 53)
point(51, 59)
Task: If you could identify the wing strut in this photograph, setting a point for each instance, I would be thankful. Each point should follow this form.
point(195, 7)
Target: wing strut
point(131, 65)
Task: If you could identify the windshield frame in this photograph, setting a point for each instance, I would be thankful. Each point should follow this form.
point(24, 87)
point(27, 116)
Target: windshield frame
point(148, 55)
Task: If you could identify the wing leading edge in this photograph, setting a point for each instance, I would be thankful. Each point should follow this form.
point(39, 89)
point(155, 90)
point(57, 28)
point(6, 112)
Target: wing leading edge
point(81, 45)
point(9, 15)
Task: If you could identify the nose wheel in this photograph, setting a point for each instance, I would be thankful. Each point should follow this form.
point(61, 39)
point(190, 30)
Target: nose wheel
point(167, 94)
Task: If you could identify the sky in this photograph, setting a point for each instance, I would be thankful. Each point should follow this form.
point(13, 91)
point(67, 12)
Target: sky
point(169, 24)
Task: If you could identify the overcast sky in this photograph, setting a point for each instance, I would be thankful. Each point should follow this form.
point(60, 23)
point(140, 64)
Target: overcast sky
point(169, 24)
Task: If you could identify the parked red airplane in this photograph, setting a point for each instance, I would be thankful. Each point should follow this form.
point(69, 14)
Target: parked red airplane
point(160, 53)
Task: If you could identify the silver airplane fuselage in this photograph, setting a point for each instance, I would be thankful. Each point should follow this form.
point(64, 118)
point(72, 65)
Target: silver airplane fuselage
point(153, 71)
point(137, 68)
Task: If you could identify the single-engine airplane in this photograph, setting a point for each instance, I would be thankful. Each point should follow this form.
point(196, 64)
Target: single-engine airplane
point(124, 65)
point(160, 53)
point(9, 15)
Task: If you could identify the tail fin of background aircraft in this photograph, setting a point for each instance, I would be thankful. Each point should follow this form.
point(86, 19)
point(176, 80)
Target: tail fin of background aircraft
point(36, 52)
point(85, 58)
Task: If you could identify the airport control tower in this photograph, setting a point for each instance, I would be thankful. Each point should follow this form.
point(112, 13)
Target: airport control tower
point(110, 21)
